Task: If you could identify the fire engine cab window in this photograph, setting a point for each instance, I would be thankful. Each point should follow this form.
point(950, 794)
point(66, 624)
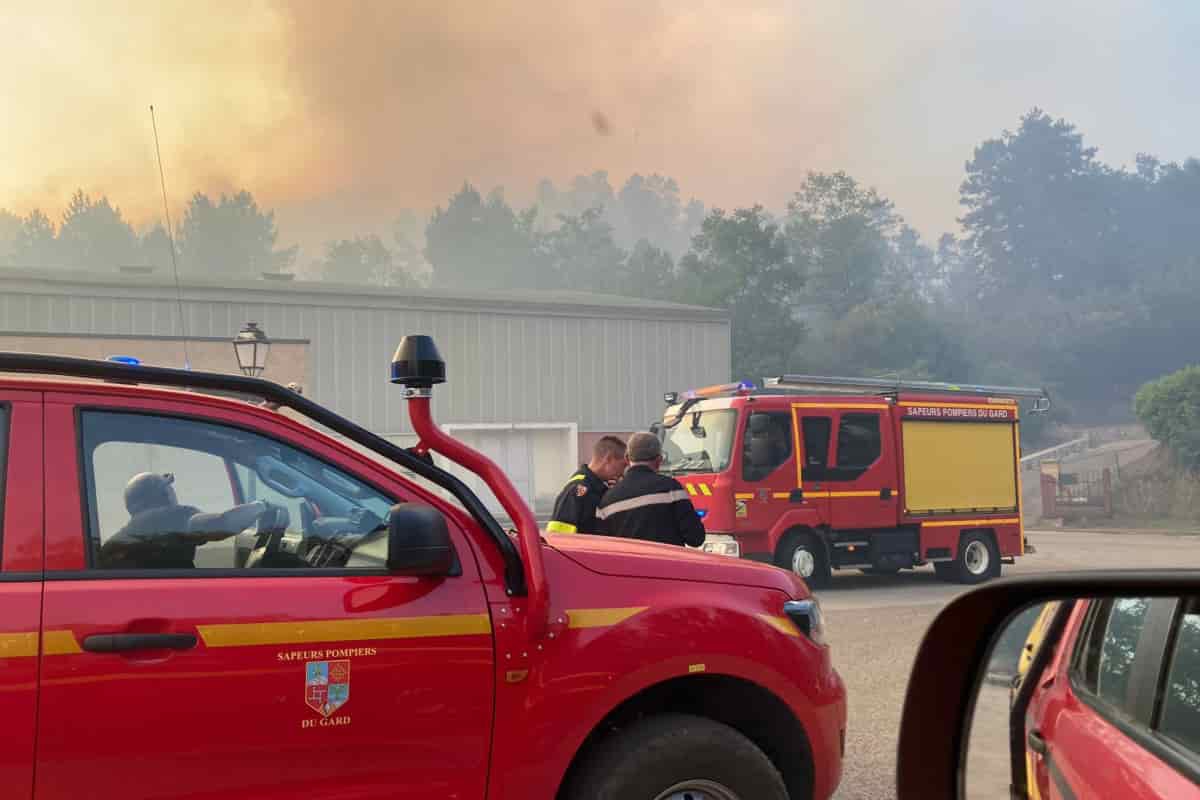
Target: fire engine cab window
point(767, 445)
point(170, 493)
point(1180, 716)
point(859, 443)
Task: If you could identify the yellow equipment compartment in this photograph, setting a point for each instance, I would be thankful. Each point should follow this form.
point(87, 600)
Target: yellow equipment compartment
point(959, 466)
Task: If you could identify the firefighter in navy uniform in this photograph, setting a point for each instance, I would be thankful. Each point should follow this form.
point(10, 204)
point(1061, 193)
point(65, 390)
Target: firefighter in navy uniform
point(647, 505)
point(575, 507)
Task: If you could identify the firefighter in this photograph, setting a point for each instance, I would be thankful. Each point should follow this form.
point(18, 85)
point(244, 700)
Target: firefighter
point(575, 507)
point(162, 533)
point(647, 505)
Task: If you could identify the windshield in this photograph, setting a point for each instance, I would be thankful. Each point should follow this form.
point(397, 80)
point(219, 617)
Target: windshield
point(701, 442)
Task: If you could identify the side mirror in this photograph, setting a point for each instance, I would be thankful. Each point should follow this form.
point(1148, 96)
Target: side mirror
point(418, 541)
point(999, 663)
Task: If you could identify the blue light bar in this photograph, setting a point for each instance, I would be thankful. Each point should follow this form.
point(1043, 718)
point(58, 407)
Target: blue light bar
point(127, 360)
point(701, 512)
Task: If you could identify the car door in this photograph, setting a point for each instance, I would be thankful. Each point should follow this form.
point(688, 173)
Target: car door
point(1089, 729)
point(284, 679)
point(21, 509)
point(862, 481)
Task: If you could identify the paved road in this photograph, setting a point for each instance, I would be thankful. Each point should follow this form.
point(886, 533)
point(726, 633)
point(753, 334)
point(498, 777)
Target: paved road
point(876, 624)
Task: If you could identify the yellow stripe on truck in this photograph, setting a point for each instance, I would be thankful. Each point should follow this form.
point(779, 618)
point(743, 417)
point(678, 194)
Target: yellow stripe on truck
point(60, 643)
point(554, 526)
point(601, 617)
point(690, 489)
point(18, 645)
point(343, 630)
point(704, 490)
point(969, 523)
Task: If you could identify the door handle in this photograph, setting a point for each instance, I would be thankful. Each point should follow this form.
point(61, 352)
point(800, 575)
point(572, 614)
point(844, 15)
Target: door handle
point(124, 642)
point(1036, 742)
point(797, 496)
point(885, 494)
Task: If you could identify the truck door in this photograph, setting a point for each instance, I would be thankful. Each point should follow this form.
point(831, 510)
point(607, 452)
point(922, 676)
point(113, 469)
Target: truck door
point(862, 482)
point(286, 673)
point(768, 470)
point(812, 431)
point(21, 509)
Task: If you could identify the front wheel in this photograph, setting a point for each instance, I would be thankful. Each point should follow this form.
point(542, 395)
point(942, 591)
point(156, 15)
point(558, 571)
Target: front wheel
point(677, 757)
point(804, 555)
point(978, 560)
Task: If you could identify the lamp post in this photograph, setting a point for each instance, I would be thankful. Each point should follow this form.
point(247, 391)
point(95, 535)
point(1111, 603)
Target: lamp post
point(251, 347)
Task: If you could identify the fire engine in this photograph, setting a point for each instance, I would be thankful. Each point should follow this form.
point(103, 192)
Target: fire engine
point(212, 586)
point(814, 474)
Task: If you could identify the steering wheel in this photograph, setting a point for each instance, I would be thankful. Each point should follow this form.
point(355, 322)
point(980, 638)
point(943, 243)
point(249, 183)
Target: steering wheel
point(270, 528)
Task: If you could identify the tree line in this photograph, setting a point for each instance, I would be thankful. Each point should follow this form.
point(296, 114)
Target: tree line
point(1066, 271)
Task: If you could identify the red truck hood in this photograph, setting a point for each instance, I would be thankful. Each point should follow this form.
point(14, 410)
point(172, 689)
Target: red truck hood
point(631, 558)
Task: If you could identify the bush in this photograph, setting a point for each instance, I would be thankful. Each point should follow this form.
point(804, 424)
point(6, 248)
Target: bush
point(1170, 409)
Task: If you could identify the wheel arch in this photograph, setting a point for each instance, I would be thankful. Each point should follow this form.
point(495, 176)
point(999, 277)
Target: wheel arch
point(747, 707)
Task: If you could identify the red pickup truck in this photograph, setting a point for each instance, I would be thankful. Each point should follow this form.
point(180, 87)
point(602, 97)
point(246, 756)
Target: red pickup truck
point(205, 596)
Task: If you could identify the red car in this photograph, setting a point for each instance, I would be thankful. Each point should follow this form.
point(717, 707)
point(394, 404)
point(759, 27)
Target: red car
point(1115, 711)
point(208, 597)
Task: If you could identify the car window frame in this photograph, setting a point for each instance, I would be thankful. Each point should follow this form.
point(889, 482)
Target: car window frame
point(87, 503)
point(5, 440)
point(1146, 678)
point(1170, 745)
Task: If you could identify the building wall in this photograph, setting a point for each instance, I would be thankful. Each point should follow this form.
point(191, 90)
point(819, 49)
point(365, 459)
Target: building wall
point(578, 362)
point(602, 367)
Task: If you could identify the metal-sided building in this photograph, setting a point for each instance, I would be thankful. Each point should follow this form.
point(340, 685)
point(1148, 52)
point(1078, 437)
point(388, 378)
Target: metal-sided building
point(533, 378)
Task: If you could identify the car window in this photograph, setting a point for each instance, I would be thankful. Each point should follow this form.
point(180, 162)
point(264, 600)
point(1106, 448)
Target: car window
point(170, 493)
point(1106, 659)
point(816, 432)
point(768, 444)
point(1179, 718)
point(859, 444)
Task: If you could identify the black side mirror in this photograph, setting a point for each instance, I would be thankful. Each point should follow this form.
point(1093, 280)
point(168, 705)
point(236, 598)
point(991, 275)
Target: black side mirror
point(418, 541)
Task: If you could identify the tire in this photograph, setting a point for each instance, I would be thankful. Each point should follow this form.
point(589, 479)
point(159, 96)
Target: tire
point(978, 560)
point(803, 555)
point(676, 757)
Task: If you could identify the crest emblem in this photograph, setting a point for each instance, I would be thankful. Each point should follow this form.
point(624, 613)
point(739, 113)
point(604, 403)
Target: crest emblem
point(326, 685)
point(580, 490)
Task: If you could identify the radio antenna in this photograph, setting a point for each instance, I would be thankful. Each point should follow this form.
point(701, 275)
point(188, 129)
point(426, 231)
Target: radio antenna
point(162, 180)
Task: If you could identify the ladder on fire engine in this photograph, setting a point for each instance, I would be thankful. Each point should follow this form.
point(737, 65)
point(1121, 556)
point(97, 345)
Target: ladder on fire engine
point(885, 386)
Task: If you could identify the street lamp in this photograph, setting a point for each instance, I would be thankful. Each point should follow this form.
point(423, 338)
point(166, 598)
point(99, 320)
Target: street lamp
point(251, 347)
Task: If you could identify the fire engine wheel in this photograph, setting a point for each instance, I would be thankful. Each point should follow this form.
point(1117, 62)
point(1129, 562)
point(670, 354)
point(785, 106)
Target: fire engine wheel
point(978, 560)
point(804, 555)
point(677, 757)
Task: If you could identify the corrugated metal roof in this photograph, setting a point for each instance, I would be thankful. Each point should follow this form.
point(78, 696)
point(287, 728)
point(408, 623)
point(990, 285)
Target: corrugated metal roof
point(542, 302)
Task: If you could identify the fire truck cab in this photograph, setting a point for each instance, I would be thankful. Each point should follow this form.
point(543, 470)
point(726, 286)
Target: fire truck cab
point(821, 473)
point(214, 587)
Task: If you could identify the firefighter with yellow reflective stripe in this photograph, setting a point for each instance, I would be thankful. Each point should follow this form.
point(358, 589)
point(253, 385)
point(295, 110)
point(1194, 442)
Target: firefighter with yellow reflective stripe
point(647, 505)
point(575, 507)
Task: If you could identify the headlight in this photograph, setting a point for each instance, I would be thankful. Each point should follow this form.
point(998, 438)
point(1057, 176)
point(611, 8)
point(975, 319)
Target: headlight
point(807, 616)
point(721, 545)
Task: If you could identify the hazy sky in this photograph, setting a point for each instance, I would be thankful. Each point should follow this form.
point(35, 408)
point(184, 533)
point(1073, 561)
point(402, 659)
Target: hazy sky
point(339, 114)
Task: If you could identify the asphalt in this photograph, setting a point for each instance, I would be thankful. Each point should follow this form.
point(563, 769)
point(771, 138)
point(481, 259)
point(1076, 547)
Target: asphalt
point(876, 623)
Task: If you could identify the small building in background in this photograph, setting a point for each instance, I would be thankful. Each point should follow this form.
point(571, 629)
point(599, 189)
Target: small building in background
point(533, 378)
